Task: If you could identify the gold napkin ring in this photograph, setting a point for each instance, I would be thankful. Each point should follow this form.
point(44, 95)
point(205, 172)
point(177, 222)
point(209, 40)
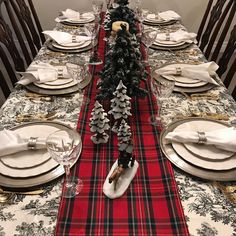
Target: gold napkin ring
point(201, 137)
point(32, 143)
point(167, 36)
point(178, 70)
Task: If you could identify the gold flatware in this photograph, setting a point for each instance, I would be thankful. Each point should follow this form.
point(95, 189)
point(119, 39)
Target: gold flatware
point(228, 190)
point(213, 116)
point(207, 96)
point(39, 116)
point(33, 192)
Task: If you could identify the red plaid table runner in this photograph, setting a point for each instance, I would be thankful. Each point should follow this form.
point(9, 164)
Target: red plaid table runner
point(150, 206)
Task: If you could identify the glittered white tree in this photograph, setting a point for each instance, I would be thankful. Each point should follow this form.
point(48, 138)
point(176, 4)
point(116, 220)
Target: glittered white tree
point(99, 124)
point(124, 133)
point(120, 106)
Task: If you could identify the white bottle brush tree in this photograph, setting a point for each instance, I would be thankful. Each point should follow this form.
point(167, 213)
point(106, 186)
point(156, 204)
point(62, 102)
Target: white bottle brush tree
point(99, 123)
point(124, 134)
point(120, 106)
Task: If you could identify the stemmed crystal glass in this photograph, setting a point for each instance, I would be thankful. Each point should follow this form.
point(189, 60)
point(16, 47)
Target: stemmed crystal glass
point(64, 146)
point(93, 30)
point(141, 15)
point(97, 6)
point(161, 89)
point(148, 37)
point(78, 69)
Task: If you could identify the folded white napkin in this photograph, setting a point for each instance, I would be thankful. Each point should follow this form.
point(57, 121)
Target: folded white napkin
point(222, 138)
point(178, 36)
point(41, 73)
point(203, 71)
point(11, 142)
point(72, 15)
point(165, 15)
point(64, 38)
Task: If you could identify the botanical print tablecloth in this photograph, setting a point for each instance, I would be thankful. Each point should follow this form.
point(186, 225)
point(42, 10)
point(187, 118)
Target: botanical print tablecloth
point(207, 210)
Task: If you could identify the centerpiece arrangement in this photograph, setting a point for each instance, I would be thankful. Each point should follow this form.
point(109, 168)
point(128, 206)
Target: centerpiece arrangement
point(120, 81)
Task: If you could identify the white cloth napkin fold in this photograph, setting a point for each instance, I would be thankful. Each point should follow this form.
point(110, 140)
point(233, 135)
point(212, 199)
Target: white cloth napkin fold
point(165, 15)
point(41, 73)
point(222, 138)
point(11, 142)
point(203, 71)
point(178, 36)
point(64, 38)
point(72, 15)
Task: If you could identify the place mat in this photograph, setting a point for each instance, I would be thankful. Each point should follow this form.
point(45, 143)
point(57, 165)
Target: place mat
point(177, 160)
point(31, 180)
point(153, 190)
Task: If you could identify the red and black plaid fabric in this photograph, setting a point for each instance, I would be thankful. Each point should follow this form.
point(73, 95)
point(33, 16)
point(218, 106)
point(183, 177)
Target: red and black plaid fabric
point(151, 204)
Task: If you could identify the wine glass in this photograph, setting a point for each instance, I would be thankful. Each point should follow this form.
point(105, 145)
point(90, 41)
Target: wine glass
point(148, 37)
point(77, 68)
point(161, 89)
point(97, 6)
point(93, 30)
point(64, 146)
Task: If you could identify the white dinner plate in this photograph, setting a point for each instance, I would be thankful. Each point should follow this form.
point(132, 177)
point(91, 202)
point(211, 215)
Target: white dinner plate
point(168, 43)
point(59, 86)
point(185, 85)
point(208, 152)
point(59, 81)
point(156, 20)
point(82, 44)
point(30, 162)
point(225, 164)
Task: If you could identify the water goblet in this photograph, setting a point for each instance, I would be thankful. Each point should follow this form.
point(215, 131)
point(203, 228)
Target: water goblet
point(97, 6)
point(64, 146)
point(161, 89)
point(93, 30)
point(148, 37)
point(77, 68)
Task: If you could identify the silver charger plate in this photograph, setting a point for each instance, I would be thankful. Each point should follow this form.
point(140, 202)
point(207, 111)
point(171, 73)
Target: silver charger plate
point(50, 46)
point(33, 181)
point(33, 88)
point(172, 48)
point(171, 154)
point(152, 23)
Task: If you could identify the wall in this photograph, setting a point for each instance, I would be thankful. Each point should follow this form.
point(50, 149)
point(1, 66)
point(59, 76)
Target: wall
point(190, 10)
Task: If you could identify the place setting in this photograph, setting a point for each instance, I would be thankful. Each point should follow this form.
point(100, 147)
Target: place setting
point(25, 159)
point(177, 40)
point(47, 79)
point(69, 43)
point(202, 147)
point(75, 18)
point(161, 18)
point(189, 78)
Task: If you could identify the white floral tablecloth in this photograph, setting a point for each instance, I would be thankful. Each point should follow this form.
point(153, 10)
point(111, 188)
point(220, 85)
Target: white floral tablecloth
point(208, 211)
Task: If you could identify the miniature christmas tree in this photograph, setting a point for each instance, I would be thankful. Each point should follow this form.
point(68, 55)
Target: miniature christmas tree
point(123, 62)
point(124, 133)
point(120, 106)
point(99, 124)
point(123, 13)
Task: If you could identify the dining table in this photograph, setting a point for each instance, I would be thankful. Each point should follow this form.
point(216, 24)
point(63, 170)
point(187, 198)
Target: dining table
point(164, 198)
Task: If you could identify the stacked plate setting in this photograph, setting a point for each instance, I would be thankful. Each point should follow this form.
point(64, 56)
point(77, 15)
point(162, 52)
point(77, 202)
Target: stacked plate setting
point(157, 21)
point(187, 85)
point(205, 161)
point(32, 167)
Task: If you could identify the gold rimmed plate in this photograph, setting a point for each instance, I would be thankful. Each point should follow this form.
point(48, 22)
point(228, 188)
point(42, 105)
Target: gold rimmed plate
point(177, 160)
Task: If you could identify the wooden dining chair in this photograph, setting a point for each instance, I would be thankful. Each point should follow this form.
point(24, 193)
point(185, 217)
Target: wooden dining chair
point(227, 63)
point(215, 26)
point(24, 24)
